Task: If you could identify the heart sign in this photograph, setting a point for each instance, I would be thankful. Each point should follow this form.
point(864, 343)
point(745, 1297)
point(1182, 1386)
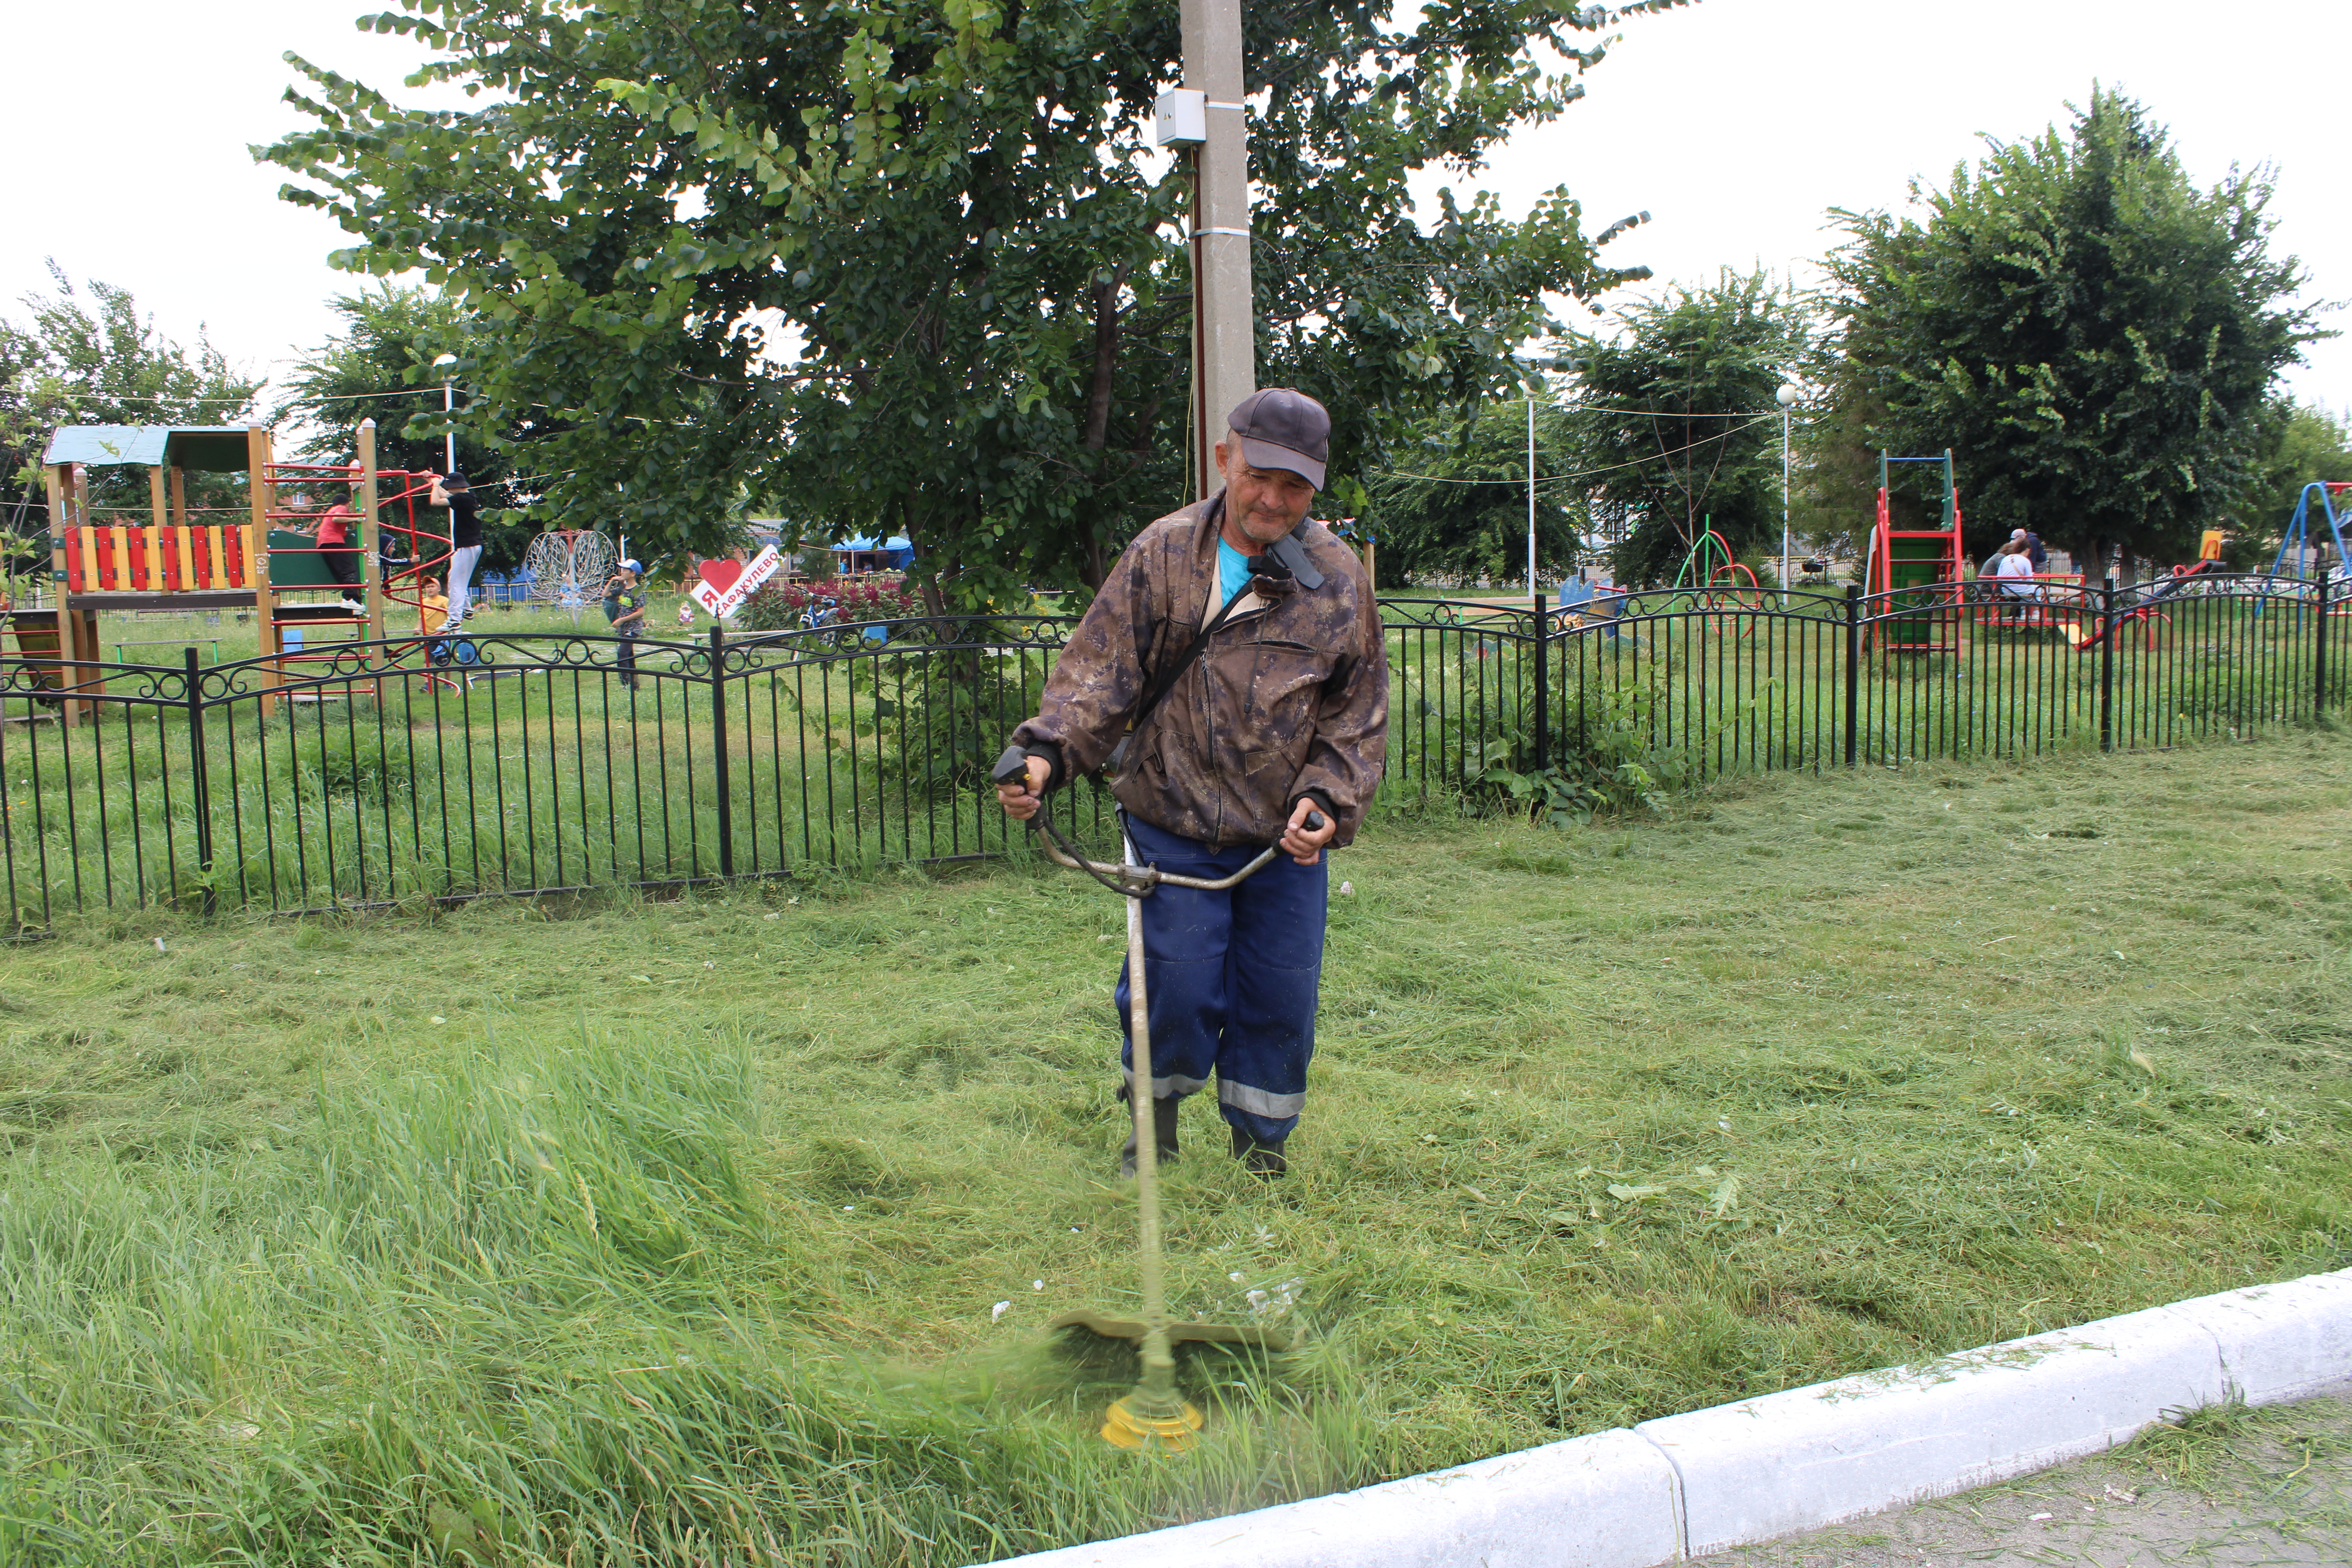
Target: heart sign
point(725, 584)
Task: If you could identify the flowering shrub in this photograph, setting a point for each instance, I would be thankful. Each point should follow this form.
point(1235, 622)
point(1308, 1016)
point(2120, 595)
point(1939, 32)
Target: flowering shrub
point(777, 605)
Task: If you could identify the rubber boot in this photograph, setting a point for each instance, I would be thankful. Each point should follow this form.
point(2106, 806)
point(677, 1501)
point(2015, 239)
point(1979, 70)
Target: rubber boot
point(1163, 1127)
point(1261, 1159)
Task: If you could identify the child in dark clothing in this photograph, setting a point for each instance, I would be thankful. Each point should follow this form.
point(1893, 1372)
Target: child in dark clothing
point(624, 606)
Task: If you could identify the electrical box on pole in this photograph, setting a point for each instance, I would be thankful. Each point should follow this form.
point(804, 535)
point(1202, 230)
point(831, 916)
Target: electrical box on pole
point(1179, 118)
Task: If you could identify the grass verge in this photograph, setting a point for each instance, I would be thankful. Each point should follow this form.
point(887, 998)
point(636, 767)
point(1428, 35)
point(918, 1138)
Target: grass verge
point(677, 1231)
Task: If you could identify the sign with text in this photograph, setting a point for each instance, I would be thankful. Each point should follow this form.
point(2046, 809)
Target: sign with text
point(725, 584)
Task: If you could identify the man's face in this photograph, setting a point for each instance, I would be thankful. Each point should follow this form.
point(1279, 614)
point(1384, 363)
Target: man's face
point(1263, 504)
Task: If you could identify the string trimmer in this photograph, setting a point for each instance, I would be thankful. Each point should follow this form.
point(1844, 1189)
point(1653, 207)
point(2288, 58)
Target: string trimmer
point(1153, 1412)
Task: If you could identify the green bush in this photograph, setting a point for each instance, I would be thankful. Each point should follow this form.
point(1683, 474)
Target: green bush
point(933, 721)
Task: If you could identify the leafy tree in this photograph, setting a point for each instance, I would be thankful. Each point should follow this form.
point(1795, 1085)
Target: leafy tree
point(1678, 422)
point(2092, 335)
point(1458, 508)
point(2301, 442)
point(89, 357)
point(912, 267)
point(391, 336)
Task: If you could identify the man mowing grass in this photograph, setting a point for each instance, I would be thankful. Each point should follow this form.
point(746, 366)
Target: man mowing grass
point(1233, 671)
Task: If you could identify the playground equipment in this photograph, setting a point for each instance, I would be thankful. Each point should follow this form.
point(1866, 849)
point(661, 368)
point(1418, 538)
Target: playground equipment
point(570, 566)
point(1915, 572)
point(1713, 578)
point(2295, 548)
point(2145, 613)
point(173, 561)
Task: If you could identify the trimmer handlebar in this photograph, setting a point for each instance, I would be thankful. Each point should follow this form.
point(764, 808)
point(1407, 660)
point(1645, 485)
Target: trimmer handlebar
point(1138, 880)
point(1013, 767)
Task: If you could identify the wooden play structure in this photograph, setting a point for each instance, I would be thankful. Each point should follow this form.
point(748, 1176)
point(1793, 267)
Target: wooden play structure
point(1913, 574)
point(253, 558)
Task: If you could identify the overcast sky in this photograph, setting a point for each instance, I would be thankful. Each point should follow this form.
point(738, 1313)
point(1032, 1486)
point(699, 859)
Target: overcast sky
point(1734, 123)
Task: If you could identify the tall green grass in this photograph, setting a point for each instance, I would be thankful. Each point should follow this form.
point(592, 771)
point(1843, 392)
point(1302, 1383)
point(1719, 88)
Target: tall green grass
point(534, 1307)
point(621, 1231)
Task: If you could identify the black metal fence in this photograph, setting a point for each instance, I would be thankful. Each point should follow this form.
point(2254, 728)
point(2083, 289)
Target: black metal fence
point(448, 768)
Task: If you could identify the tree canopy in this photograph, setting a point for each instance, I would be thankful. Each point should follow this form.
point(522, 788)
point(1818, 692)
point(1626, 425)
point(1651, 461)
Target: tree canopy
point(1679, 424)
point(2301, 442)
point(912, 266)
point(1457, 506)
point(391, 336)
point(89, 357)
point(2091, 334)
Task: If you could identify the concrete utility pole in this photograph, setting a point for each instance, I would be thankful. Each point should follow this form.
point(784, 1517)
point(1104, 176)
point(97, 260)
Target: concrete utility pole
point(1531, 492)
point(1225, 321)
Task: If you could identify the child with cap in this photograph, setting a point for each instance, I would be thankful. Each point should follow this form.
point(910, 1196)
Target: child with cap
point(624, 606)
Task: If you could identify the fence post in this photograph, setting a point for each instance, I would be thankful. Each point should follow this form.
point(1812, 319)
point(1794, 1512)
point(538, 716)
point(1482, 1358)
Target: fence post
point(2319, 654)
point(199, 793)
point(719, 750)
point(1853, 671)
point(1543, 689)
point(2108, 667)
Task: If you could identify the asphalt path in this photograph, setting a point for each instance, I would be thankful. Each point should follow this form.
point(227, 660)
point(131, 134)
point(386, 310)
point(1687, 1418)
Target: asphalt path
point(2262, 1488)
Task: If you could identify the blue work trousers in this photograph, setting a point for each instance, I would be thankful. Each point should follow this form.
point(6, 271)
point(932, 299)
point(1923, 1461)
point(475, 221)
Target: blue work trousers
point(1235, 978)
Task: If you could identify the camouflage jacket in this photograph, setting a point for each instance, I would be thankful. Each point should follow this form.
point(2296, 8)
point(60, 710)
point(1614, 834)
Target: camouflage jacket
point(1288, 700)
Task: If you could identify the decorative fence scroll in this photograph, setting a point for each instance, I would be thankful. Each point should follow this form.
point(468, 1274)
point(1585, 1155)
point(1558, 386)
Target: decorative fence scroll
point(451, 768)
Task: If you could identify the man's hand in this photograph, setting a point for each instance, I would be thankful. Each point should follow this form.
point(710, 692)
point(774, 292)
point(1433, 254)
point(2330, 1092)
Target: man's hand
point(1022, 800)
point(1299, 842)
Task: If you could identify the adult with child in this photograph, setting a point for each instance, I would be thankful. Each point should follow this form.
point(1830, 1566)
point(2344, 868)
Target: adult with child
point(2013, 568)
point(453, 491)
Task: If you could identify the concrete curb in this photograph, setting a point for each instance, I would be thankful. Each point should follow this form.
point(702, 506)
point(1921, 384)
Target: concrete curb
point(1701, 1482)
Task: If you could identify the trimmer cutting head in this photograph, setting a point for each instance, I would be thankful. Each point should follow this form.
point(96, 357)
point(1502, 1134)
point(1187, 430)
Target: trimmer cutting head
point(1132, 1330)
point(1153, 1413)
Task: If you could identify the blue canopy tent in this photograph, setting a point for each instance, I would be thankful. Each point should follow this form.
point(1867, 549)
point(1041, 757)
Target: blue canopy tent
point(867, 554)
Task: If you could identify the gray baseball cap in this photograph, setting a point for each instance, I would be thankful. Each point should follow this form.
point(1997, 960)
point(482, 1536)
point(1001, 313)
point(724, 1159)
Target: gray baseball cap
point(1281, 427)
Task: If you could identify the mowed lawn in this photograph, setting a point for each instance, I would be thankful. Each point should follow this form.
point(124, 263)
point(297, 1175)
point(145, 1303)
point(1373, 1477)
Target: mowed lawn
point(680, 1232)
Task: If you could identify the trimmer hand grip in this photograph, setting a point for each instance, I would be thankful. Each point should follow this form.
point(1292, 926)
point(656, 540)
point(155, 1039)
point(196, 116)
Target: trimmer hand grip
point(1013, 767)
point(1314, 823)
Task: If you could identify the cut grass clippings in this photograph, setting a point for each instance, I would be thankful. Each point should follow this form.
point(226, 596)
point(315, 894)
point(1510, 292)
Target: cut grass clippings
point(677, 1233)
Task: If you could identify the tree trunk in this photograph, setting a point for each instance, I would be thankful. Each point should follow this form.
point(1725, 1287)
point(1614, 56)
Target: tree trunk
point(1106, 325)
point(1098, 398)
point(926, 575)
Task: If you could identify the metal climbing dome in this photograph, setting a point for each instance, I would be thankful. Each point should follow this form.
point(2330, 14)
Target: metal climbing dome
point(570, 566)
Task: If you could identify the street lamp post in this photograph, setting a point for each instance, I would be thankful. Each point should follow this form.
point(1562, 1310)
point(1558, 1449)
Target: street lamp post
point(1531, 368)
point(448, 411)
point(1787, 397)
